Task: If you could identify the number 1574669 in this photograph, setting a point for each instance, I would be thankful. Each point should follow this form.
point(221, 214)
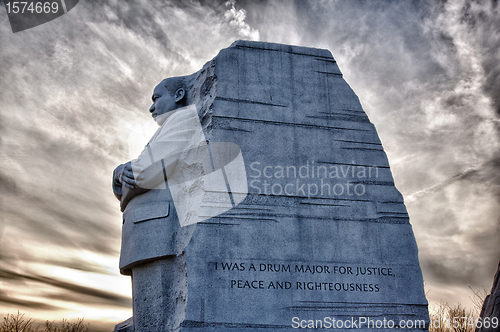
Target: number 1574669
point(22, 7)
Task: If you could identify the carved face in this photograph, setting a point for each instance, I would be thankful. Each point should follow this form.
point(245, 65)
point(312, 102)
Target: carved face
point(164, 103)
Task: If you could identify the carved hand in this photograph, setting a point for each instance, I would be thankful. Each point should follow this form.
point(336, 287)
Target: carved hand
point(117, 182)
point(127, 176)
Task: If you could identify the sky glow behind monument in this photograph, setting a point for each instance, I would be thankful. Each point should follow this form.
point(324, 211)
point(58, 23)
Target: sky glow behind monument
point(426, 74)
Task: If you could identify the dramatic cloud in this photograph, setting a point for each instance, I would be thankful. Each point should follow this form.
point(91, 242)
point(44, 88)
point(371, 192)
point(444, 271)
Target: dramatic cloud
point(77, 293)
point(72, 91)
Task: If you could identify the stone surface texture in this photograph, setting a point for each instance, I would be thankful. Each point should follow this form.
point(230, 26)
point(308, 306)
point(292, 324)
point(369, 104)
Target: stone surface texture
point(491, 305)
point(160, 306)
point(279, 255)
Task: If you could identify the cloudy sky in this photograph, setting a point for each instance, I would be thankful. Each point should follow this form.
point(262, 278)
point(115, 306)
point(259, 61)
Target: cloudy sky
point(72, 90)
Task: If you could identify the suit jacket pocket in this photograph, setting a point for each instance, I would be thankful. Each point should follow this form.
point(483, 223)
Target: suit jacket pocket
point(147, 212)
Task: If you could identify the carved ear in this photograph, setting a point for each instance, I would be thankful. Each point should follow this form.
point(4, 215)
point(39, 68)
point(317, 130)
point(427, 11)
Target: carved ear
point(179, 95)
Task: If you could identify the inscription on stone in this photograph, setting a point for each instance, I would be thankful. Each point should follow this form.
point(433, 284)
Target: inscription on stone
point(294, 272)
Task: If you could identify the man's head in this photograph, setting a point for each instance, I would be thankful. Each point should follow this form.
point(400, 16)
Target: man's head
point(168, 95)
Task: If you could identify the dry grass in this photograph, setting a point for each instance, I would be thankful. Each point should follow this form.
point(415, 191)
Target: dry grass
point(443, 319)
point(452, 319)
point(478, 298)
point(18, 323)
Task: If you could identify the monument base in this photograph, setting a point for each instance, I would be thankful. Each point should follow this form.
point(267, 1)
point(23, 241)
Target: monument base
point(125, 326)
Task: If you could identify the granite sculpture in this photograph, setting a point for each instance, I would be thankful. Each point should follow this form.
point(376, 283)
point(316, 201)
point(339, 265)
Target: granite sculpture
point(313, 230)
point(153, 239)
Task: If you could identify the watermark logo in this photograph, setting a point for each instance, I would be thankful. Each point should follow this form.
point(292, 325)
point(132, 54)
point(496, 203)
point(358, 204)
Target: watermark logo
point(29, 14)
point(310, 179)
point(357, 323)
point(205, 178)
point(457, 324)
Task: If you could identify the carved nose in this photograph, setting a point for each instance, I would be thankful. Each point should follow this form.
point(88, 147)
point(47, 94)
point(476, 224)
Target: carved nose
point(152, 108)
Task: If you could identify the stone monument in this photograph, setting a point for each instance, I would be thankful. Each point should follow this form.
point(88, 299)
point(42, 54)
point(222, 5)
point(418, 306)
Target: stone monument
point(315, 234)
point(490, 313)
